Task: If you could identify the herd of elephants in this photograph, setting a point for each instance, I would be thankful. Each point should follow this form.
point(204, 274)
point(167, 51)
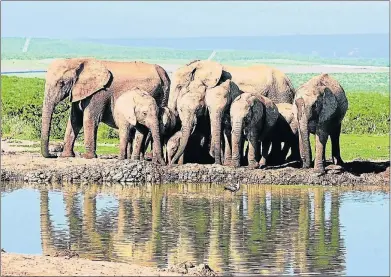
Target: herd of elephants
point(207, 113)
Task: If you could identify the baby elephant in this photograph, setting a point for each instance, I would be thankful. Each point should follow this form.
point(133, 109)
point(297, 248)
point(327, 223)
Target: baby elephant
point(252, 116)
point(319, 108)
point(285, 130)
point(135, 107)
point(197, 149)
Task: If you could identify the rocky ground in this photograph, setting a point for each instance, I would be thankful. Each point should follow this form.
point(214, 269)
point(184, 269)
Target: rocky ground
point(38, 265)
point(19, 165)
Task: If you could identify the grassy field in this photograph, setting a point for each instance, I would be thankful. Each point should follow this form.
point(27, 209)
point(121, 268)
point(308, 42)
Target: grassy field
point(54, 48)
point(365, 127)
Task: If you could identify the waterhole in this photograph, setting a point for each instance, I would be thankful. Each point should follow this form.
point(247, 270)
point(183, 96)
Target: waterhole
point(258, 230)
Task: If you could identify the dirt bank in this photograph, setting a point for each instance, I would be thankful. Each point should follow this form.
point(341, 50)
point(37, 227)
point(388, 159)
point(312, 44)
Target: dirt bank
point(33, 168)
point(37, 265)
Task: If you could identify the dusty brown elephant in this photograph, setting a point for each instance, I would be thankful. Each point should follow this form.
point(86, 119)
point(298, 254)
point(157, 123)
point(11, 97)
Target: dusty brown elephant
point(264, 80)
point(252, 116)
point(197, 89)
point(90, 85)
point(284, 131)
point(320, 106)
point(135, 107)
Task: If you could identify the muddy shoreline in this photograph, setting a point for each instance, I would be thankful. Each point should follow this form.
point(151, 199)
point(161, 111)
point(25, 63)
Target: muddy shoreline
point(33, 168)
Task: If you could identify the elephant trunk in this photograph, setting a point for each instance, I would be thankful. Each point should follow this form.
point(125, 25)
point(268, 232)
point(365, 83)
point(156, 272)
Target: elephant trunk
point(237, 126)
point(304, 143)
point(47, 114)
point(186, 131)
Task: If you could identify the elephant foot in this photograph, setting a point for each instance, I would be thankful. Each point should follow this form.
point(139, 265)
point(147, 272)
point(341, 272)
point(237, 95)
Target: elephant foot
point(319, 171)
point(158, 161)
point(253, 165)
point(227, 162)
point(334, 169)
point(121, 157)
point(89, 156)
point(67, 154)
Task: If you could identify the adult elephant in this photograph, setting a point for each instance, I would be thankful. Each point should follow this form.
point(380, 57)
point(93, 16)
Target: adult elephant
point(320, 106)
point(200, 89)
point(93, 86)
point(263, 80)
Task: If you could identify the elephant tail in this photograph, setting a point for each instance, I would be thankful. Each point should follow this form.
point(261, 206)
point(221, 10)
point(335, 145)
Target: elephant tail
point(166, 83)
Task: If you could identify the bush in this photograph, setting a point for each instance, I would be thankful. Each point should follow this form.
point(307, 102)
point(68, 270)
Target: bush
point(22, 100)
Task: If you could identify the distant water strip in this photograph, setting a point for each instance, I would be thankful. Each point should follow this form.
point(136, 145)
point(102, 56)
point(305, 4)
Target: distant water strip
point(21, 72)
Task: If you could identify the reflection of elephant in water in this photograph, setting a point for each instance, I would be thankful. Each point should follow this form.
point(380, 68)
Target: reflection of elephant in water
point(284, 131)
point(197, 89)
point(197, 149)
point(320, 106)
point(90, 85)
point(252, 116)
point(137, 106)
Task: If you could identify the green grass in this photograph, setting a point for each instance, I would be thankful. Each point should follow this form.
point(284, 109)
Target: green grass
point(351, 82)
point(22, 103)
point(40, 48)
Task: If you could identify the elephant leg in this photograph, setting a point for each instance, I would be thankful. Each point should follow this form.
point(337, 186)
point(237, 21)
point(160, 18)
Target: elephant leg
point(335, 148)
point(321, 141)
point(181, 159)
point(253, 151)
point(265, 152)
point(227, 147)
point(124, 137)
point(74, 125)
point(129, 146)
point(90, 125)
point(138, 145)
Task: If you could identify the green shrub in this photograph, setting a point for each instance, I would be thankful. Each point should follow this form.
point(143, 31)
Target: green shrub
point(22, 100)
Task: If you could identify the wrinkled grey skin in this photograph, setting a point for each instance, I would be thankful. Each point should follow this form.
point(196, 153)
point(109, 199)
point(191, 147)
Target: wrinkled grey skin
point(319, 108)
point(135, 107)
point(90, 85)
point(252, 116)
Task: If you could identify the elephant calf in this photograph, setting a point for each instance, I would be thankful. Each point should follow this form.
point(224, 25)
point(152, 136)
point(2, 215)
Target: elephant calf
point(135, 107)
point(284, 131)
point(252, 116)
point(197, 149)
point(320, 106)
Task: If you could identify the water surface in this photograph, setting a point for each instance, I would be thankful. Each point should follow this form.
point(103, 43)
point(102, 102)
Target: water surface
point(259, 230)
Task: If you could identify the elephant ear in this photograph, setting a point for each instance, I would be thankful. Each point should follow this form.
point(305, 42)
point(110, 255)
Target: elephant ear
point(92, 76)
point(271, 109)
point(209, 73)
point(329, 105)
point(125, 106)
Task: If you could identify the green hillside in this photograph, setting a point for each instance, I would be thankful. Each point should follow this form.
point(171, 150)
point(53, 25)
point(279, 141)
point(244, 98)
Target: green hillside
point(39, 48)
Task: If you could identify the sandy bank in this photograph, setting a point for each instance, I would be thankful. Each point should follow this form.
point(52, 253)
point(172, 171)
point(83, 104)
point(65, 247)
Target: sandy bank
point(37, 265)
